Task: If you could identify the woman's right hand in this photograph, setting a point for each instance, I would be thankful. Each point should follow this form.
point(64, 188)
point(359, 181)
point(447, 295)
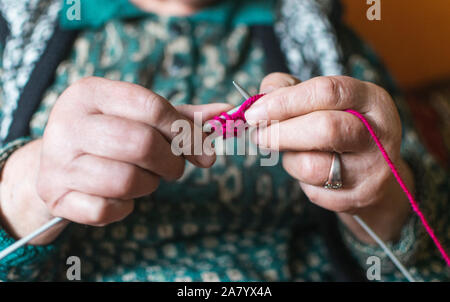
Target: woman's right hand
point(106, 143)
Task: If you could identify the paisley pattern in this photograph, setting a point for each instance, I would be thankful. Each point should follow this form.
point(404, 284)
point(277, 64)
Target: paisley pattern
point(235, 221)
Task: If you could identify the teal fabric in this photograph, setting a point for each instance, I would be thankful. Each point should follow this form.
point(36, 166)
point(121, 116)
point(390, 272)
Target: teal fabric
point(234, 222)
point(95, 13)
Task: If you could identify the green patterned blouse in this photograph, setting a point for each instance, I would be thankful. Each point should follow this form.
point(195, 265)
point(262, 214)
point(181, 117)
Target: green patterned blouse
point(235, 221)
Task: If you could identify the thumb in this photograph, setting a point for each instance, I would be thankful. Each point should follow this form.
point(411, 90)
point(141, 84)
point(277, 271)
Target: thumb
point(208, 110)
point(277, 80)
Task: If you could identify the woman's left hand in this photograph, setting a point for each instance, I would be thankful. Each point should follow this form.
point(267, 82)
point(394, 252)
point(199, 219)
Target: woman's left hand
point(312, 124)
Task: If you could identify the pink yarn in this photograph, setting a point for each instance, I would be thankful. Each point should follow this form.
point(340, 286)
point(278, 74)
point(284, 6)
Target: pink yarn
point(233, 129)
point(239, 116)
point(402, 184)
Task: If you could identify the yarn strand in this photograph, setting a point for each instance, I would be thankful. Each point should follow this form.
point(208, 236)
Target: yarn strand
point(413, 202)
point(238, 115)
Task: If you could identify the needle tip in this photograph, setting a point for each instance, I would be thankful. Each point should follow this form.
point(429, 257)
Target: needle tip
point(241, 90)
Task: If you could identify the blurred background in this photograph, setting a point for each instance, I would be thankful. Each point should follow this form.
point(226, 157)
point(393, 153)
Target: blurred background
point(413, 40)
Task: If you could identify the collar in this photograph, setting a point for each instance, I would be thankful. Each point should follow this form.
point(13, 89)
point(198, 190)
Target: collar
point(84, 14)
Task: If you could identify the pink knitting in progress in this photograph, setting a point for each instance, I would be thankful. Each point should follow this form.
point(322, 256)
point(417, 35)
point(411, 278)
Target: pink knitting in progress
point(238, 117)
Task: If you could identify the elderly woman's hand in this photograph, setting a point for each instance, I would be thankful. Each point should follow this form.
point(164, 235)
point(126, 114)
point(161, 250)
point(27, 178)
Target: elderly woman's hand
point(105, 144)
point(313, 124)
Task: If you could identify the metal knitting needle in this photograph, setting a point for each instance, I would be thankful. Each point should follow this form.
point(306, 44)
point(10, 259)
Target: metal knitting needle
point(242, 91)
point(208, 127)
point(385, 248)
point(19, 243)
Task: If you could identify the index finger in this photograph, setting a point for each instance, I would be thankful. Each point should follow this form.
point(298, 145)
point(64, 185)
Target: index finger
point(321, 93)
point(134, 102)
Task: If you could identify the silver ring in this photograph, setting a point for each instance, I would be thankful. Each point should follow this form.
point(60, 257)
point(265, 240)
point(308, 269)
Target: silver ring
point(334, 180)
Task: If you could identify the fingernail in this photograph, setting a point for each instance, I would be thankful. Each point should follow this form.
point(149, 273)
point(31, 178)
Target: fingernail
point(255, 114)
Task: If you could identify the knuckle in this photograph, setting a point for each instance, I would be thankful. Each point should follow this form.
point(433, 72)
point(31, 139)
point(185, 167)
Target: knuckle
point(360, 134)
point(154, 106)
point(179, 170)
point(100, 215)
point(267, 79)
point(82, 84)
point(382, 98)
point(52, 211)
point(77, 93)
point(273, 77)
point(142, 144)
point(44, 187)
point(329, 125)
point(147, 142)
point(125, 182)
point(381, 94)
point(330, 90)
point(283, 106)
point(52, 206)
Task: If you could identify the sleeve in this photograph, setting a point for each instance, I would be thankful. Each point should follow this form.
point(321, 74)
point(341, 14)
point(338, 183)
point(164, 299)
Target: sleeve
point(29, 263)
point(415, 248)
